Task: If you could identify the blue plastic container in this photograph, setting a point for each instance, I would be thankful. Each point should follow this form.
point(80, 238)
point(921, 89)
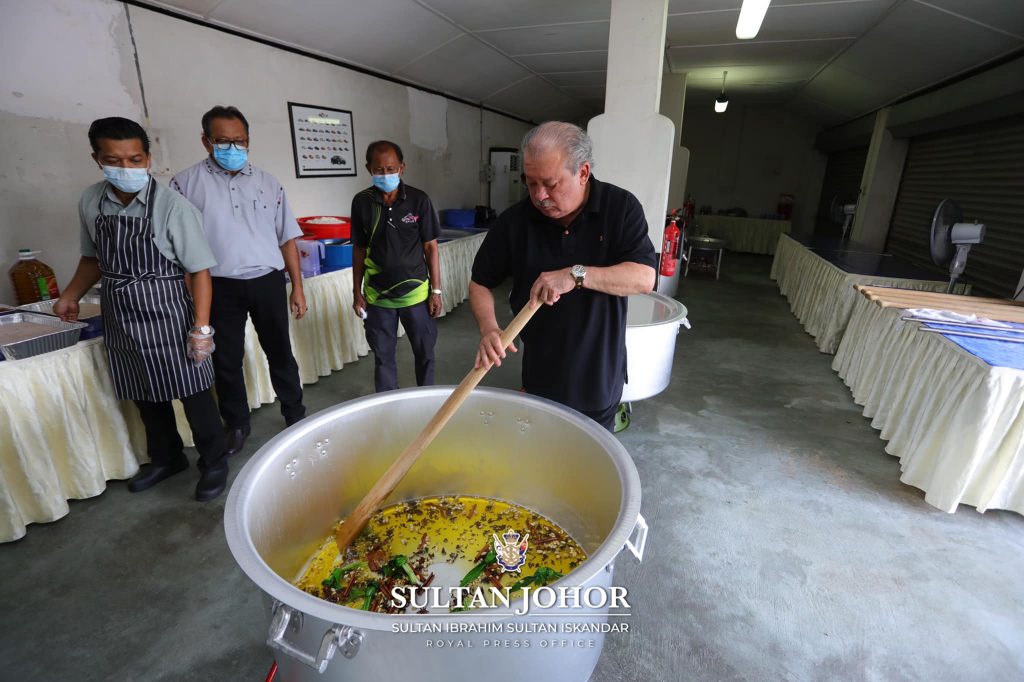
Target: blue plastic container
point(456, 217)
point(337, 255)
point(94, 329)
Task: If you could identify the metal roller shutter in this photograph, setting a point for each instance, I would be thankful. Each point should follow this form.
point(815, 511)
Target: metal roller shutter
point(843, 174)
point(982, 168)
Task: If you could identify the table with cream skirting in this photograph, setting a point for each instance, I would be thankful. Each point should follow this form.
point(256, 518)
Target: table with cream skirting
point(955, 422)
point(321, 345)
point(63, 434)
point(746, 235)
point(821, 294)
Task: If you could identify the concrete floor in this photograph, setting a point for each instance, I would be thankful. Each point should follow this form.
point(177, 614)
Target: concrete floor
point(782, 544)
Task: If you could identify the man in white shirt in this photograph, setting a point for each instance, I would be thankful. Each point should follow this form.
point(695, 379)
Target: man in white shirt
point(252, 232)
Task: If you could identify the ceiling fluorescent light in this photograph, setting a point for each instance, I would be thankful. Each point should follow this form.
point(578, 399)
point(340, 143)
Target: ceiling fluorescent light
point(721, 102)
point(751, 15)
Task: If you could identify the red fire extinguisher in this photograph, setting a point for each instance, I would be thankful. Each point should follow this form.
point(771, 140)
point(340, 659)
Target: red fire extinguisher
point(670, 247)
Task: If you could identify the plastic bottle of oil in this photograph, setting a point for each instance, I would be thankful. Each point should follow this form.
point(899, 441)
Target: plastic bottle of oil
point(33, 279)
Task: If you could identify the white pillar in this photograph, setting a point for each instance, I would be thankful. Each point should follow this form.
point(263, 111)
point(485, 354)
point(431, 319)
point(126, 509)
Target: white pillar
point(673, 103)
point(879, 185)
point(632, 141)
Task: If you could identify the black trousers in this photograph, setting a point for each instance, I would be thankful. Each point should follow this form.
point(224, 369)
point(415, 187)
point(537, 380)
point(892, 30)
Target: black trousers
point(163, 444)
point(605, 417)
point(264, 299)
point(382, 334)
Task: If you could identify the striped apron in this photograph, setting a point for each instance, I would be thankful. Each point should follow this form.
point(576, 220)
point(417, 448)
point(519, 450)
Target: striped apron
point(147, 311)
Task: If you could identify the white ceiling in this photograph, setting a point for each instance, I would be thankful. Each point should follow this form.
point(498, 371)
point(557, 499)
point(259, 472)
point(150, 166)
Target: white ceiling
point(832, 60)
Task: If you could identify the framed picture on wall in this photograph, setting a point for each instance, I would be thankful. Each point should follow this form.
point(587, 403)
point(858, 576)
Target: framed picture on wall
point(322, 141)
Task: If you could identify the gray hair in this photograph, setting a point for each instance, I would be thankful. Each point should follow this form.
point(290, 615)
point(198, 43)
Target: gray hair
point(567, 138)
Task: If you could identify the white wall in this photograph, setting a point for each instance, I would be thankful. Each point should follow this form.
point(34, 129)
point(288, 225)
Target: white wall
point(87, 70)
point(747, 156)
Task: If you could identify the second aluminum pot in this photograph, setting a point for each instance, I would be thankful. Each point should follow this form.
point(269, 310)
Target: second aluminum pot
point(652, 323)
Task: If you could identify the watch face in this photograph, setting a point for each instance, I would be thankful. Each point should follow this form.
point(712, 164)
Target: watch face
point(579, 271)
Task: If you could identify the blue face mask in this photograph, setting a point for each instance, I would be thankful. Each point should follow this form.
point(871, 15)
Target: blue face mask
point(387, 183)
point(128, 180)
point(232, 158)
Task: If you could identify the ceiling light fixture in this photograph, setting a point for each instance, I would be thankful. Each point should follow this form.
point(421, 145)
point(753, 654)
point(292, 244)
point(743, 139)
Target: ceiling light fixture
point(751, 15)
point(721, 102)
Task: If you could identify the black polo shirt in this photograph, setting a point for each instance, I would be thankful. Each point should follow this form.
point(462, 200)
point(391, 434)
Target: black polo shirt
point(401, 231)
point(574, 351)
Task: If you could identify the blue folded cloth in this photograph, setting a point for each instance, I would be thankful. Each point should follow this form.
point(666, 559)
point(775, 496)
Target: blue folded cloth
point(995, 353)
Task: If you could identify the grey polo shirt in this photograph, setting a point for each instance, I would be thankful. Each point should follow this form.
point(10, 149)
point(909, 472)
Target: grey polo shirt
point(246, 217)
point(177, 224)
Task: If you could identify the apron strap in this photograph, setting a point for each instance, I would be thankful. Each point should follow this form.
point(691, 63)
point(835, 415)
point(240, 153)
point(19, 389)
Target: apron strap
point(150, 194)
point(119, 281)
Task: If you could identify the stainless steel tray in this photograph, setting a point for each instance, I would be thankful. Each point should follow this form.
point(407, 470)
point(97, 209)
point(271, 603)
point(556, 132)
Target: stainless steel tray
point(47, 306)
point(64, 334)
point(95, 322)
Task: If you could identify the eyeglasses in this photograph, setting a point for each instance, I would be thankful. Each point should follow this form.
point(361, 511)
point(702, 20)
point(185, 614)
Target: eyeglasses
point(390, 170)
point(224, 145)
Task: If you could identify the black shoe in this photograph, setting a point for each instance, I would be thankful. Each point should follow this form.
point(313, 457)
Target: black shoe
point(151, 474)
point(291, 421)
point(235, 439)
point(213, 481)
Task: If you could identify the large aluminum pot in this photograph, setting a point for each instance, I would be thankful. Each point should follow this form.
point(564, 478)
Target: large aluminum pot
point(500, 444)
point(652, 322)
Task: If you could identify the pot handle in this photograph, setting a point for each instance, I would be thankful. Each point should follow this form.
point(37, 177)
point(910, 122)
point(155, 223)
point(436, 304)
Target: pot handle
point(640, 530)
point(343, 636)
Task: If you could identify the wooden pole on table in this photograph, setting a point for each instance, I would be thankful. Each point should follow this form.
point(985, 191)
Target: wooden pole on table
point(889, 292)
point(993, 308)
point(959, 323)
point(973, 335)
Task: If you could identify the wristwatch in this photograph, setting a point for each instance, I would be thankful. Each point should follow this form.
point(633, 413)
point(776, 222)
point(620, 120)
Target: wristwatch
point(436, 291)
point(579, 273)
point(205, 329)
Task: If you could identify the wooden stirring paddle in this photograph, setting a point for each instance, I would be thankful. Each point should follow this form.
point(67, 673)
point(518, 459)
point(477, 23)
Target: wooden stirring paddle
point(355, 521)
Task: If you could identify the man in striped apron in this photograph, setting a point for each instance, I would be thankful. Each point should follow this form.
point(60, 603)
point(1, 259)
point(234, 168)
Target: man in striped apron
point(147, 245)
point(396, 270)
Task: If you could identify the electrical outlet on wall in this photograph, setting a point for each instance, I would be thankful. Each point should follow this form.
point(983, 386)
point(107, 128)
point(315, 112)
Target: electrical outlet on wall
point(486, 172)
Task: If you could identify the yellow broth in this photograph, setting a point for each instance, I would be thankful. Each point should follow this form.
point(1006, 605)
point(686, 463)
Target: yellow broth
point(434, 530)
